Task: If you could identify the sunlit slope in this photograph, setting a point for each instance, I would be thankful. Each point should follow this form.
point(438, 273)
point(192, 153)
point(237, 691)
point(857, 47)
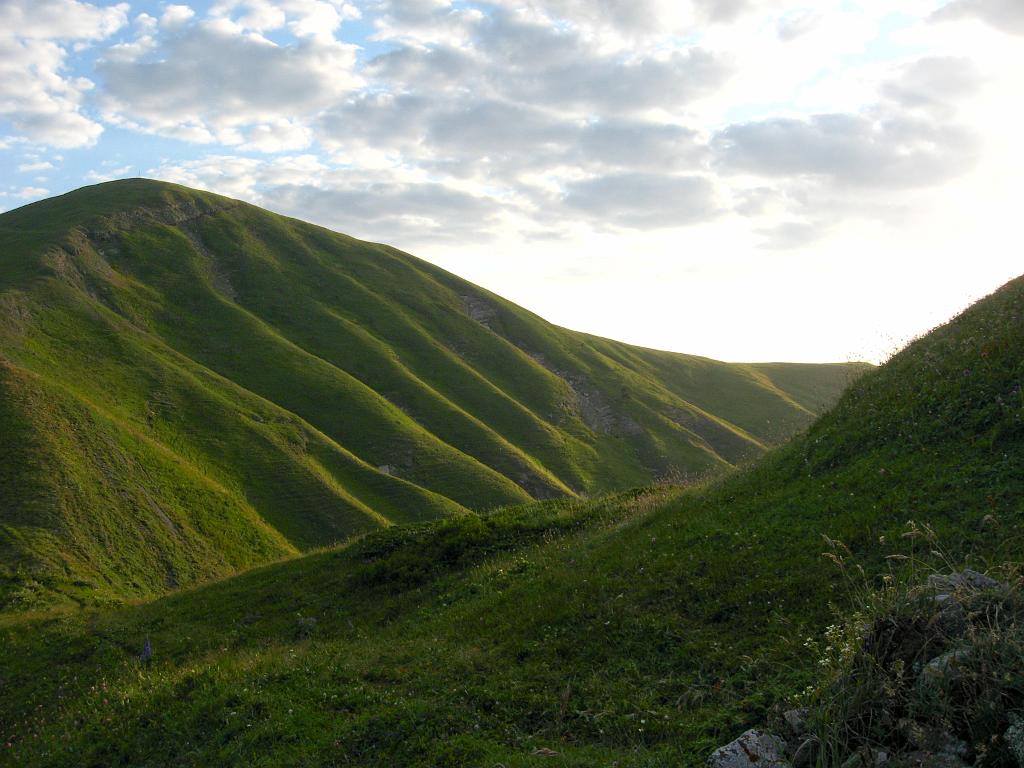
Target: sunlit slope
point(642, 629)
point(322, 385)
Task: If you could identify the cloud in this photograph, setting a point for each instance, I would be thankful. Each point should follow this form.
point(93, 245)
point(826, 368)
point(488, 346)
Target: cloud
point(409, 213)
point(28, 193)
point(543, 65)
point(935, 82)
point(639, 145)
point(802, 176)
point(502, 140)
point(242, 177)
point(633, 18)
point(176, 16)
point(41, 165)
point(910, 138)
point(211, 82)
point(643, 201)
point(37, 97)
point(560, 114)
point(304, 18)
point(60, 19)
point(509, 56)
point(484, 132)
point(1004, 15)
point(114, 173)
point(848, 149)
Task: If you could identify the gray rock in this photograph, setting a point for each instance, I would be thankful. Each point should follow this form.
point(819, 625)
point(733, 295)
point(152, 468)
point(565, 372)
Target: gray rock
point(948, 665)
point(754, 749)
point(924, 759)
point(796, 721)
point(945, 584)
point(946, 669)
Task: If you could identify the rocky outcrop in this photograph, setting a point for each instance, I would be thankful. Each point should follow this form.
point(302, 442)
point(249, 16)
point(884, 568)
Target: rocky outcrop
point(753, 748)
point(948, 640)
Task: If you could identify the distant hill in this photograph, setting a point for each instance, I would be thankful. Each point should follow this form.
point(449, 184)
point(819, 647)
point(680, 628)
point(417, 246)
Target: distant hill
point(190, 385)
point(639, 630)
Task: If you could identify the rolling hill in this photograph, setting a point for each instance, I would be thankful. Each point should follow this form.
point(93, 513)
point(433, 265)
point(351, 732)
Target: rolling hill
point(190, 386)
point(641, 629)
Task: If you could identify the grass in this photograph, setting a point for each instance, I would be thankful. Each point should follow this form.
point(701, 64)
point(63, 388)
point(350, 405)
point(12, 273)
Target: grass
point(640, 629)
point(193, 386)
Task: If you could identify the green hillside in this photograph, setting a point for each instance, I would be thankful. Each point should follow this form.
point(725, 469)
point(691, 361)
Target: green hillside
point(190, 385)
point(642, 629)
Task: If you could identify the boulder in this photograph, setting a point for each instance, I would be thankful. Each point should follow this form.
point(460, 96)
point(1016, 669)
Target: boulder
point(796, 722)
point(945, 584)
point(754, 749)
point(945, 670)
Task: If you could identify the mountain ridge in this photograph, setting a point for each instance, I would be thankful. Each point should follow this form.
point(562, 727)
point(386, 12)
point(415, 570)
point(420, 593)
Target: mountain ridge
point(277, 370)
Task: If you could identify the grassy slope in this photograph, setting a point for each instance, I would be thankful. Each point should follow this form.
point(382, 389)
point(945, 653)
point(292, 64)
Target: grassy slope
point(639, 630)
point(316, 387)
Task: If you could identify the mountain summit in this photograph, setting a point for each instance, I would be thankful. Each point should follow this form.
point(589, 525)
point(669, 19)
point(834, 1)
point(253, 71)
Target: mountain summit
point(190, 385)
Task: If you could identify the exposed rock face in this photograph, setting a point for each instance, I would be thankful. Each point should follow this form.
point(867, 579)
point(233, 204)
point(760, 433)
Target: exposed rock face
point(480, 310)
point(753, 748)
point(946, 646)
point(595, 409)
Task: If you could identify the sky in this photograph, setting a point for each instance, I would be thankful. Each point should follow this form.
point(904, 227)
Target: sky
point(748, 180)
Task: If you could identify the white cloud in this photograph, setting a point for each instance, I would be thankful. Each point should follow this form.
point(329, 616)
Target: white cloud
point(511, 56)
point(643, 201)
point(631, 18)
point(60, 19)
point(175, 16)
point(41, 101)
point(41, 165)
point(282, 135)
point(28, 193)
point(304, 18)
point(849, 150)
point(110, 175)
point(210, 81)
point(1004, 15)
point(243, 177)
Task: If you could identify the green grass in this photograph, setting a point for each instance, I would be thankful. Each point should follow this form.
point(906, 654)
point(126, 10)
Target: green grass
point(641, 629)
point(193, 385)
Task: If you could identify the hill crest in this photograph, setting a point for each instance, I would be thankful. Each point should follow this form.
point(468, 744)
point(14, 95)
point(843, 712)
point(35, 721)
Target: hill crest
point(200, 364)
